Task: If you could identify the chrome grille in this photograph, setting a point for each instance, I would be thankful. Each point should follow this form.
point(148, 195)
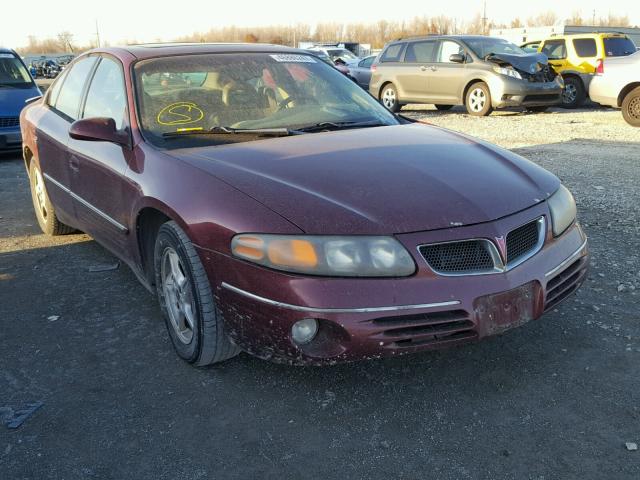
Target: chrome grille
point(459, 257)
point(6, 122)
point(523, 240)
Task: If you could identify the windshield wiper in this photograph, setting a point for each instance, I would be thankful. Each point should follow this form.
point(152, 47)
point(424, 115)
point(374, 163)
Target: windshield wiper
point(218, 130)
point(322, 126)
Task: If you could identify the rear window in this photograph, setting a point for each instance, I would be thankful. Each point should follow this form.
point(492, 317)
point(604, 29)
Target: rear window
point(585, 47)
point(555, 49)
point(618, 46)
point(392, 53)
point(68, 101)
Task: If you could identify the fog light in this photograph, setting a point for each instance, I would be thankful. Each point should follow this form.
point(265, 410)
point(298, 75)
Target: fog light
point(303, 331)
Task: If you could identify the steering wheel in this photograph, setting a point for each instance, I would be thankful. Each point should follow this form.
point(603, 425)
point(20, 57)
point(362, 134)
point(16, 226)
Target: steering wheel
point(285, 103)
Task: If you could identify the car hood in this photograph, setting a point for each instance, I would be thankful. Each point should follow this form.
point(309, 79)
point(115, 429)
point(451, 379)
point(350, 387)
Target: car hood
point(529, 62)
point(12, 100)
point(382, 180)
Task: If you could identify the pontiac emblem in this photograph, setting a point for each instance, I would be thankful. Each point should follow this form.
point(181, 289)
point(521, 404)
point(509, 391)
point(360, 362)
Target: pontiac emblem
point(502, 247)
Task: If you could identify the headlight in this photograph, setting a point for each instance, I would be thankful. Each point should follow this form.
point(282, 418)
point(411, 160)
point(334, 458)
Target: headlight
point(509, 72)
point(328, 256)
point(563, 210)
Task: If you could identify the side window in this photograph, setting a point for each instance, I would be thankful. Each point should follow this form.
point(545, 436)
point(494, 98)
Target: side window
point(68, 101)
point(420, 52)
point(392, 53)
point(367, 62)
point(106, 96)
point(555, 49)
point(54, 91)
point(585, 47)
point(448, 48)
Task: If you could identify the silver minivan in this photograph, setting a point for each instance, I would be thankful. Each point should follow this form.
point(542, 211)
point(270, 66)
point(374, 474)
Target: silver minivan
point(481, 73)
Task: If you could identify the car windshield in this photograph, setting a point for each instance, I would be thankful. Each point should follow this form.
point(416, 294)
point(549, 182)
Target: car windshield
point(342, 53)
point(195, 94)
point(483, 46)
point(13, 73)
point(618, 46)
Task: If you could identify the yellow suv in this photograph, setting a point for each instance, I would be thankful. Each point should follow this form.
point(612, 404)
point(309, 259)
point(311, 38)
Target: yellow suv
point(577, 57)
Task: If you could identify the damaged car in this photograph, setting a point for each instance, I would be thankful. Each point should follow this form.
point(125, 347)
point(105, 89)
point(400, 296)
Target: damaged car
point(481, 73)
point(274, 207)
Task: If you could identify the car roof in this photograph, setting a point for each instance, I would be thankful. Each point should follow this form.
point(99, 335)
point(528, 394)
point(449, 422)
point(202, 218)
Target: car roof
point(588, 35)
point(153, 50)
point(6, 50)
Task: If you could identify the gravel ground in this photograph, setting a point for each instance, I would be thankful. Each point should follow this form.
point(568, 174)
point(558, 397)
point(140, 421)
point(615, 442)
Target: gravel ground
point(555, 399)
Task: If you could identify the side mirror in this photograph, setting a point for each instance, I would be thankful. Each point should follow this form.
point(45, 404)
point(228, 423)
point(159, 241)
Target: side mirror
point(98, 129)
point(456, 58)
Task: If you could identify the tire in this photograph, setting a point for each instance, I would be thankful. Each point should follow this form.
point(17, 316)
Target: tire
point(389, 97)
point(44, 209)
point(631, 107)
point(194, 322)
point(538, 109)
point(574, 93)
point(478, 100)
point(444, 108)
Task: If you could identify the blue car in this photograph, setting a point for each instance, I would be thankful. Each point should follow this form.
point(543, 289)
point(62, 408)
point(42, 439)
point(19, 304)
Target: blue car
point(16, 86)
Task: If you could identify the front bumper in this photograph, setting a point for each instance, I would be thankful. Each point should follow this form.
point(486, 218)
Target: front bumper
point(511, 92)
point(373, 318)
point(10, 139)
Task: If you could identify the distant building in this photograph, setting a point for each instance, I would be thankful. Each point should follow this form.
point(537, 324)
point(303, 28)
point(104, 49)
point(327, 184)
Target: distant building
point(532, 34)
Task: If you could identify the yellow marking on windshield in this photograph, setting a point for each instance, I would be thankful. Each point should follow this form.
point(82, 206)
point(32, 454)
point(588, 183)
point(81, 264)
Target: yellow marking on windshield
point(180, 113)
point(192, 129)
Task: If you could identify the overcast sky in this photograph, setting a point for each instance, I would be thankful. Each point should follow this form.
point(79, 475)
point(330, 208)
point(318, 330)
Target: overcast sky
point(146, 21)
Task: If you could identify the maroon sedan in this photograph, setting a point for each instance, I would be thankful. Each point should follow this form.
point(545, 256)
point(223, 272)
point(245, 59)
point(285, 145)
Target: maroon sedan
point(276, 208)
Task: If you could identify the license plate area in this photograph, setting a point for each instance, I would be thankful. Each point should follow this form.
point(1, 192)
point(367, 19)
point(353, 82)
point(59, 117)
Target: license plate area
point(503, 311)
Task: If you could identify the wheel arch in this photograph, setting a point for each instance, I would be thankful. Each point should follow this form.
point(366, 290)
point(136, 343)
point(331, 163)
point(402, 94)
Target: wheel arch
point(150, 216)
point(469, 84)
point(625, 91)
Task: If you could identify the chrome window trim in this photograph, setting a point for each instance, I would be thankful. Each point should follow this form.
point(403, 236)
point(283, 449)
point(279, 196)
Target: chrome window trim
point(499, 265)
point(299, 308)
point(567, 260)
point(96, 210)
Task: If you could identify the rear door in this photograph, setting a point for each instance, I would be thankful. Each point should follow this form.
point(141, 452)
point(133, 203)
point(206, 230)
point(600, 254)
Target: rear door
point(586, 54)
point(362, 73)
point(98, 168)
point(446, 79)
point(414, 76)
point(52, 135)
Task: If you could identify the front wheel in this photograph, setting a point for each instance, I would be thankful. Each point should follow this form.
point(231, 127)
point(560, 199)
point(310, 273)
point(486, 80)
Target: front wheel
point(631, 107)
point(574, 93)
point(389, 97)
point(194, 322)
point(478, 100)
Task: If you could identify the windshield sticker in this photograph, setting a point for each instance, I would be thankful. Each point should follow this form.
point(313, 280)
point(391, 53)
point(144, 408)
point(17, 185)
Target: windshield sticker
point(181, 113)
point(292, 58)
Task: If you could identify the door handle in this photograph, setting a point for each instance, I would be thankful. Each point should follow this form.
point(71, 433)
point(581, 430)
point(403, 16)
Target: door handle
point(74, 164)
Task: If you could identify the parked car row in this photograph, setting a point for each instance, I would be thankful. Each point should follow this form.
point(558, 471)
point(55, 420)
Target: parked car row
point(274, 207)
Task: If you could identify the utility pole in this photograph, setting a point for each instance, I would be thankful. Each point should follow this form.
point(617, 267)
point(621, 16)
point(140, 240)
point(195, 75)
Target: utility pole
point(484, 18)
point(593, 21)
point(97, 34)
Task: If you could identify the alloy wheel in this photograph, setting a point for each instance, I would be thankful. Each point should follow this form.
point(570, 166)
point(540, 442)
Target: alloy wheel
point(569, 94)
point(389, 98)
point(477, 100)
point(178, 295)
point(38, 186)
